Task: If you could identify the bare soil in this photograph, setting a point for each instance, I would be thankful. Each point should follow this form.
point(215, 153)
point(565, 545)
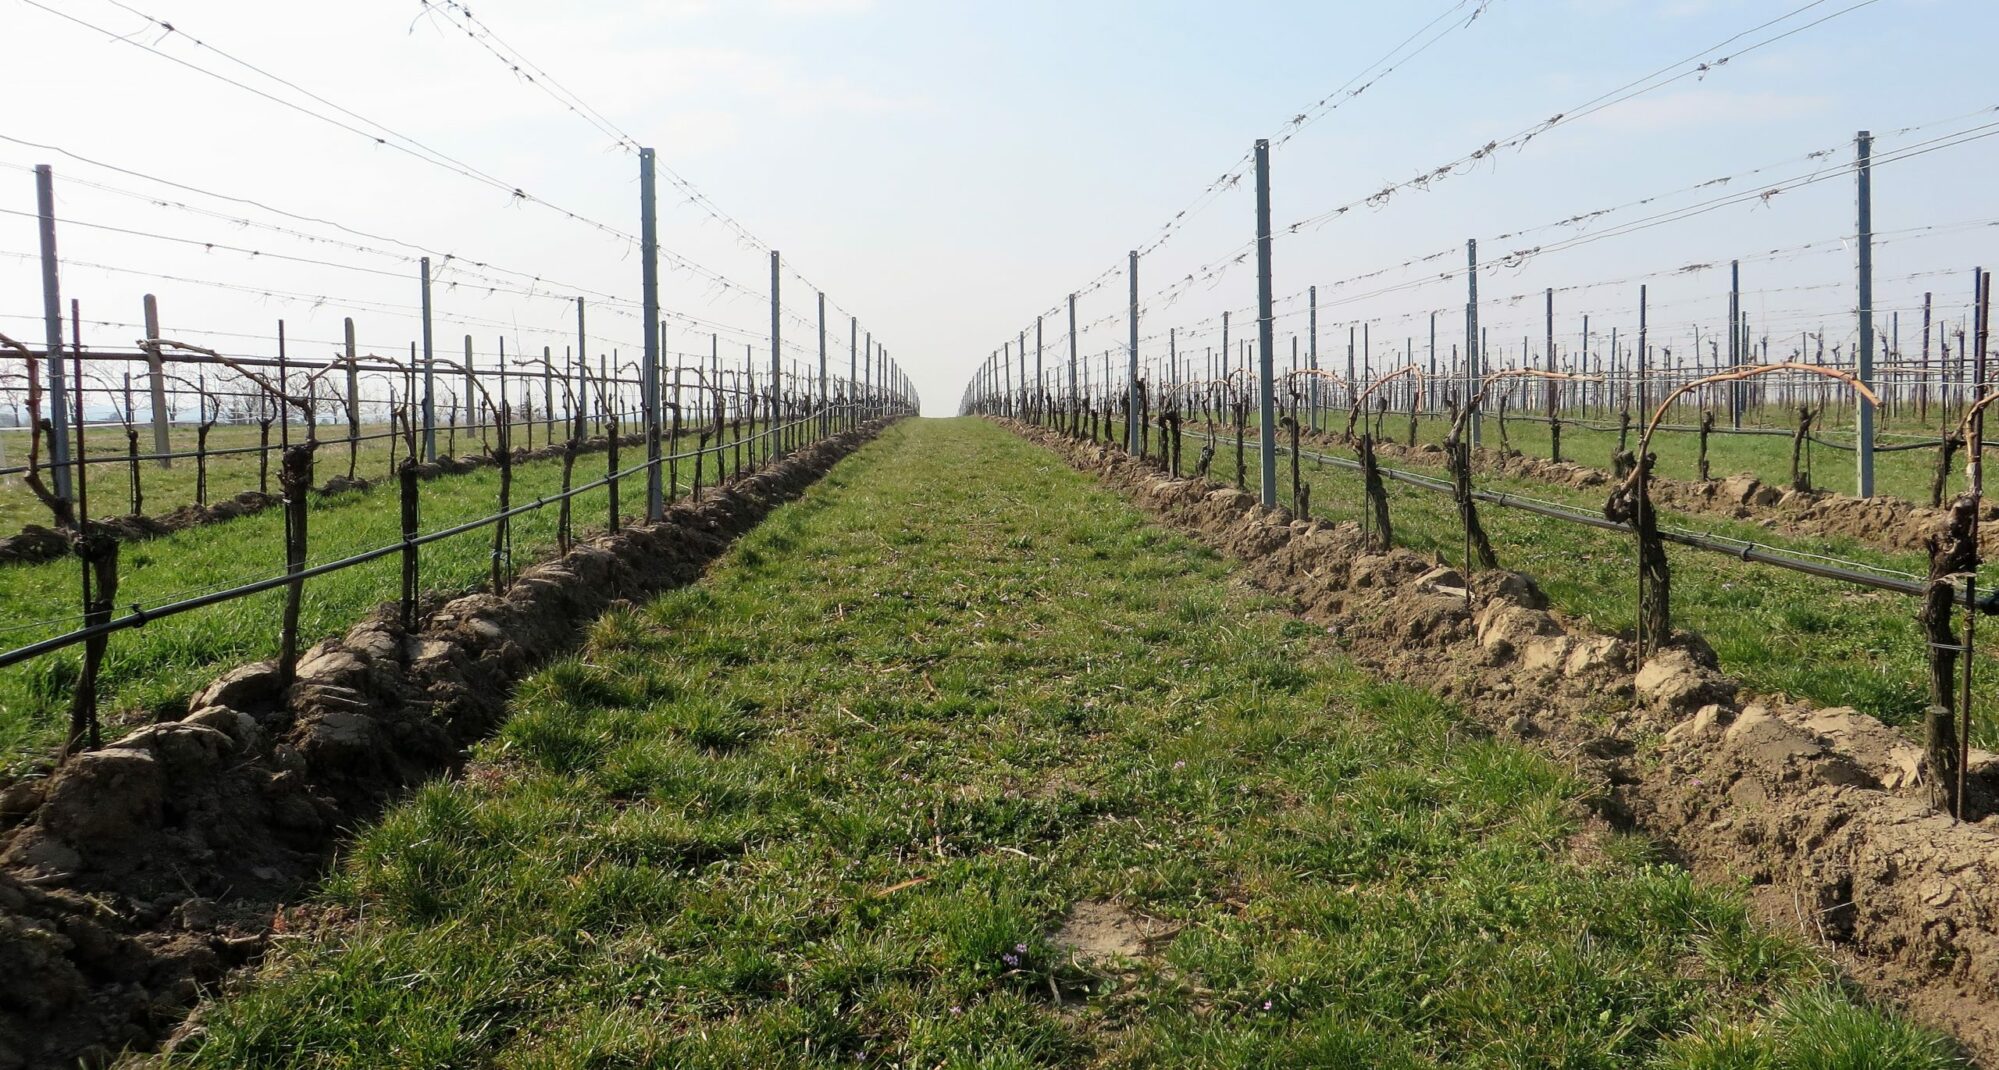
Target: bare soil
point(1102, 933)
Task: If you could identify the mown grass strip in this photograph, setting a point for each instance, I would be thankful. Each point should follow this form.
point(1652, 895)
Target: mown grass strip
point(835, 805)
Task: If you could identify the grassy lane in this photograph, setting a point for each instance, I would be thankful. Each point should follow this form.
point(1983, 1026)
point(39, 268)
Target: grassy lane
point(852, 800)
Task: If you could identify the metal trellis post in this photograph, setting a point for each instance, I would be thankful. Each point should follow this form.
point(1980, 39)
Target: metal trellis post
point(1266, 342)
point(1864, 176)
point(45, 198)
point(649, 280)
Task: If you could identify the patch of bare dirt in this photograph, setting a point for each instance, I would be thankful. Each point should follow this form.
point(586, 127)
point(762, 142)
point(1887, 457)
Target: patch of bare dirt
point(134, 878)
point(1823, 811)
point(1101, 933)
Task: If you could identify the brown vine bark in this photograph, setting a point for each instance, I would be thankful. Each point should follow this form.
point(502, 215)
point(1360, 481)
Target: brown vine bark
point(1381, 536)
point(1953, 555)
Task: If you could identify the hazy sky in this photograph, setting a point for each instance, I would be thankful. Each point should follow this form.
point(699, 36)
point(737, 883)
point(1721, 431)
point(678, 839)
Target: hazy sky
point(948, 170)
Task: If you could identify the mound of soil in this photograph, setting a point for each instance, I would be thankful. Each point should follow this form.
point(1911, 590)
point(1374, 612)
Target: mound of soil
point(1823, 811)
point(135, 877)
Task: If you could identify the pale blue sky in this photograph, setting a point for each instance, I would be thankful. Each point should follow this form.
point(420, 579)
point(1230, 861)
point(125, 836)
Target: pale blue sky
point(948, 170)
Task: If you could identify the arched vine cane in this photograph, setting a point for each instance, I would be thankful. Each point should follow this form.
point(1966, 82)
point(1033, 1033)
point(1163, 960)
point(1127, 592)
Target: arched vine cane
point(1375, 530)
point(1631, 502)
point(1458, 453)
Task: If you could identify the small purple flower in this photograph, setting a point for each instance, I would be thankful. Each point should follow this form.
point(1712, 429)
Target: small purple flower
point(1181, 764)
point(1020, 949)
point(1010, 959)
point(956, 1011)
point(1266, 1004)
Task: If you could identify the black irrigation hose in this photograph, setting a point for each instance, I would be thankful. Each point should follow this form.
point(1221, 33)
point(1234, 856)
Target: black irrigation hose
point(1742, 551)
point(140, 617)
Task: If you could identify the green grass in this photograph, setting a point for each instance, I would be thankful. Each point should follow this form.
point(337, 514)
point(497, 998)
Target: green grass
point(158, 666)
point(827, 807)
point(1779, 632)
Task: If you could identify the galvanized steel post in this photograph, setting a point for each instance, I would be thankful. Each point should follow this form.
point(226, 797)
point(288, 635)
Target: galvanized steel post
point(1312, 349)
point(825, 415)
point(776, 348)
point(1265, 329)
point(353, 381)
point(430, 365)
point(1643, 354)
point(1131, 373)
point(1040, 384)
point(1735, 390)
point(649, 282)
point(1472, 369)
point(45, 198)
point(1073, 393)
point(1554, 398)
point(1864, 176)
